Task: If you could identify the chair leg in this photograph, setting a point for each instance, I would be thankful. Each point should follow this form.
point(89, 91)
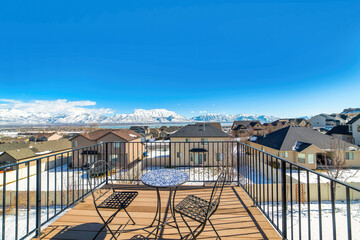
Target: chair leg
point(214, 229)
point(191, 232)
point(130, 217)
point(106, 224)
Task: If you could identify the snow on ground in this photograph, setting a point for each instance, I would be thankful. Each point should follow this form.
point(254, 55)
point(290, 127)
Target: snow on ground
point(75, 176)
point(22, 221)
point(326, 218)
point(348, 175)
point(159, 153)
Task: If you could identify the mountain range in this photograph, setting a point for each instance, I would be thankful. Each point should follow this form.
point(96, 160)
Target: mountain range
point(152, 116)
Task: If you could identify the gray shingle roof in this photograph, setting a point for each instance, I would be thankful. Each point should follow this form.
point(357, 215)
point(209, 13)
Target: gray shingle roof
point(199, 131)
point(286, 138)
point(340, 129)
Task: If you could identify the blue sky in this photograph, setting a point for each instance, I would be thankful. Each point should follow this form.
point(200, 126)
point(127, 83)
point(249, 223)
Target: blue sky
point(283, 58)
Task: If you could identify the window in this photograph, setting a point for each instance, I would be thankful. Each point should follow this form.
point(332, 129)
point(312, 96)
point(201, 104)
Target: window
point(75, 144)
point(285, 154)
point(187, 140)
point(204, 141)
point(178, 154)
point(114, 157)
point(204, 157)
point(219, 157)
point(358, 128)
point(117, 145)
point(349, 156)
point(310, 158)
point(191, 157)
point(278, 153)
point(350, 128)
point(262, 148)
point(301, 157)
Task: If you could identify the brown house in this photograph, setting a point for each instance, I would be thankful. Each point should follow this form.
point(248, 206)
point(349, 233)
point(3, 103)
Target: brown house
point(124, 146)
point(246, 128)
point(38, 137)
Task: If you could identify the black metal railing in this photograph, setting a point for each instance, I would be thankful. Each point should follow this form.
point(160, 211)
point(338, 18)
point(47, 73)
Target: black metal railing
point(36, 191)
point(299, 202)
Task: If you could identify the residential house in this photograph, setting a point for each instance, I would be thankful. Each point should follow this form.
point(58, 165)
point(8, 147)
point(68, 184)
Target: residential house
point(354, 128)
point(19, 152)
point(144, 131)
point(306, 147)
point(125, 147)
point(297, 122)
point(38, 137)
point(342, 132)
point(191, 145)
point(326, 121)
point(246, 128)
point(167, 131)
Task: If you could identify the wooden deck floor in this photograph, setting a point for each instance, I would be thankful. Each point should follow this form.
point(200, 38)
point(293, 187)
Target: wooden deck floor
point(234, 219)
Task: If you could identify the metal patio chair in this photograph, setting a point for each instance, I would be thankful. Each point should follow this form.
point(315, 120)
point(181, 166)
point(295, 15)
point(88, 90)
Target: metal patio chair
point(117, 200)
point(200, 210)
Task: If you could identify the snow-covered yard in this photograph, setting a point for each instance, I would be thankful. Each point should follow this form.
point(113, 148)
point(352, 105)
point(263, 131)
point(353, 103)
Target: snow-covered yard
point(348, 175)
point(75, 178)
point(326, 218)
point(10, 220)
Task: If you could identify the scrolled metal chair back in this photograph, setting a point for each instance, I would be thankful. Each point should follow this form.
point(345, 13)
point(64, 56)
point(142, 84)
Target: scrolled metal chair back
point(97, 175)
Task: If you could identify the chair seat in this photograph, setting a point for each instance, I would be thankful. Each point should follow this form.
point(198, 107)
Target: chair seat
point(118, 200)
point(195, 208)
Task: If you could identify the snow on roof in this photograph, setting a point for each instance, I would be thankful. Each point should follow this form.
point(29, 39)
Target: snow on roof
point(44, 152)
point(132, 135)
point(253, 138)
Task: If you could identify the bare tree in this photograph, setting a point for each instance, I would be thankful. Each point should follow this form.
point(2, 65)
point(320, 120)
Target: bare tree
point(335, 162)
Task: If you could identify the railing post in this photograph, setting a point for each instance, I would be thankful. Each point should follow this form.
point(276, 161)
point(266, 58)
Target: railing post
point(106, 159)
point(38, 198)
point(170, 154)
point(283, 199)
point(238, 162)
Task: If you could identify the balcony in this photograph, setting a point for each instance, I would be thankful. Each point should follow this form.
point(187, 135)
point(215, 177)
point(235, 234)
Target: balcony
point(54, 190)
point(236, 218)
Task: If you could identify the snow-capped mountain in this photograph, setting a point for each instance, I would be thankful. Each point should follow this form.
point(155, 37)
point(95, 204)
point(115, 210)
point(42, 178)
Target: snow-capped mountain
point(23, 117)
point(147, 116)
point(211, 117)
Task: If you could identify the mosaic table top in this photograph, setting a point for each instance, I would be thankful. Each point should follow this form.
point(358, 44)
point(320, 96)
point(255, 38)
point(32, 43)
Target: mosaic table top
point(165, 178)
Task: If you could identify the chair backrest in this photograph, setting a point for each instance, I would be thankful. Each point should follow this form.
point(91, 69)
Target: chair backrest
point(216, 193)
point(97, 174)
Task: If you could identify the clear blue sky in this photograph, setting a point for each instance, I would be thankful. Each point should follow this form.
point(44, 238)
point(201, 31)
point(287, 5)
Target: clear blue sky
point(284, 58)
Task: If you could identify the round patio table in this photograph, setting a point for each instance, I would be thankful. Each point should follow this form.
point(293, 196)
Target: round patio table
point(165, 178)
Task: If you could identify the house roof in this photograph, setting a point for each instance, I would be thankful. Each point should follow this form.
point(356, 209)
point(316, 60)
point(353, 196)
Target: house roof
point(243, 124)
point(286, 139)
point(199, 130)
point(10, 146)
point(214, 124)
point(354, 119)
point(53, 146)
point(21, 153)
point(297, 121)
point(282, 122)
point(340, 129)
point(125, 134)
point(39, 148)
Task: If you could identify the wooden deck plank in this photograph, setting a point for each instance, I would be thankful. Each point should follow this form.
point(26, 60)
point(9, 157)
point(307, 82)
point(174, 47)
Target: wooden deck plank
point(234, 219)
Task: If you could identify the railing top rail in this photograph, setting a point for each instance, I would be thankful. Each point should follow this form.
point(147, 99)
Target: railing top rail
point(306, 169)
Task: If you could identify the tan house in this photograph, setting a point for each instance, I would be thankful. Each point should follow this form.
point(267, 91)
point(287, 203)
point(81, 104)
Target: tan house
point(342, 132)
point(246, 128)
point(306, 147)
point(199, 145)
point(125, 147)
